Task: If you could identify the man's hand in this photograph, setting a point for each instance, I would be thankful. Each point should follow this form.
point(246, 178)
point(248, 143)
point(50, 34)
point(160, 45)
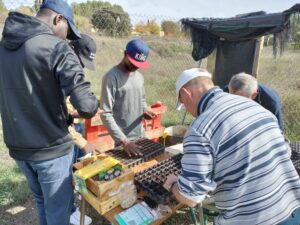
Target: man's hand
point(131, 148)
point(75, 114)
point(149, 115)
point(89, 148)
point(171, 179)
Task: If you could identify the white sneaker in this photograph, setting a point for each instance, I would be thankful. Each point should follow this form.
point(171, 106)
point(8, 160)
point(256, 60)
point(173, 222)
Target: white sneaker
point(75, 218)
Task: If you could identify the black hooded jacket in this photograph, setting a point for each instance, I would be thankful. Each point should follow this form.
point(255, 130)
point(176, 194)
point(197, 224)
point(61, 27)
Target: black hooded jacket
point(37, 71)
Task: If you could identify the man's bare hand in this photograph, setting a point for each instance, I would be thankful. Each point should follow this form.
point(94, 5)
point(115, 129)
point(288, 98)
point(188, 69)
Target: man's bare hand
point(170, 180)
point(149, 115)
point(131, 149)
point(90, 148)
point(75, 114)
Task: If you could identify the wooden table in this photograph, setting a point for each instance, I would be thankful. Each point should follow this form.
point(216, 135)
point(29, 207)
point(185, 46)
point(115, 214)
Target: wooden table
point(93, 201)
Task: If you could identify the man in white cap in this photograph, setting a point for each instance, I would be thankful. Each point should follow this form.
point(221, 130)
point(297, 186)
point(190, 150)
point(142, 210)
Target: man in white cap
point(234, 151)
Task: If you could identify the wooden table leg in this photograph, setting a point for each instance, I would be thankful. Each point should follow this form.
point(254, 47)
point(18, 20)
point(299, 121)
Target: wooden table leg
point(201, 215)
point(82, 210)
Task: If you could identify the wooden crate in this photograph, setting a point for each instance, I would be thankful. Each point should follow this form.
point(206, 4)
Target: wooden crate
point(102, 207)
point(103, 193)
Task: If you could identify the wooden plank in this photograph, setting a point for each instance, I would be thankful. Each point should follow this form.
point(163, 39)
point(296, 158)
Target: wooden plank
point(258, 49)
point(211, 62)
point(101, 207)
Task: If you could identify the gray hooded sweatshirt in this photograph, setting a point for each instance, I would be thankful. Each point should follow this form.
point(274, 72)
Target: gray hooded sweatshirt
point(37, 71)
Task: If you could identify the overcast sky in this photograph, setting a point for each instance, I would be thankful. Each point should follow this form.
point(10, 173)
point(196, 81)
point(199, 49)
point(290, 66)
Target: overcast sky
point(201, 8)
point(189, 8)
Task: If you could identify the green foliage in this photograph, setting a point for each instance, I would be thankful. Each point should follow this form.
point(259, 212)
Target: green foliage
point(150, 28)
point(13, 186)
point(88, 8)
point(170, 28)
point(153, 27)
point(112, 21)
point(141, 28)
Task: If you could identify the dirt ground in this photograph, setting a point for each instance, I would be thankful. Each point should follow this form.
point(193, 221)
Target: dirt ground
point(24, 214)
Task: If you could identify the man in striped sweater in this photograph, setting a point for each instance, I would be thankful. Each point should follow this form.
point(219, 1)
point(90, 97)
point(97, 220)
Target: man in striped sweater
point(234, 150)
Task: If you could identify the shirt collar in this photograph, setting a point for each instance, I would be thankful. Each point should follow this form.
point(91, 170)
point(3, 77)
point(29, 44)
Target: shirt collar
point(206, 97)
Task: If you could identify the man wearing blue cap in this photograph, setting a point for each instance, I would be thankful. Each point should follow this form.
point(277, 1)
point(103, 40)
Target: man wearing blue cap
point(123, 97)
point(38, 70)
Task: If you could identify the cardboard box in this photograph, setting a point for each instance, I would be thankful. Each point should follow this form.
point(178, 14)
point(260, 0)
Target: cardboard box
point(103, 194)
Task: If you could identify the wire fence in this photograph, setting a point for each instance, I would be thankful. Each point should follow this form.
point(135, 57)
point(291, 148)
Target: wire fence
point(170, 54)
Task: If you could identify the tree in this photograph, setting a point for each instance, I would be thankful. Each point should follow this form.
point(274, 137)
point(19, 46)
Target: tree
point(150, 28)
point(153, 27)
point(88, 8)
point(112, 21)
point(170, 28)
point(141, 28)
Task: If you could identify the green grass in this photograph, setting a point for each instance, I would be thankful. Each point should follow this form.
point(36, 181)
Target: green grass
point(13, 185)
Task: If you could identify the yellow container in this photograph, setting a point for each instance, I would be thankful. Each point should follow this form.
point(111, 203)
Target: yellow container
point(96, 167)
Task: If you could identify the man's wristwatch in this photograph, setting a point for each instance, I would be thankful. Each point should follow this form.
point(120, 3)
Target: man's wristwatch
point(171, 186)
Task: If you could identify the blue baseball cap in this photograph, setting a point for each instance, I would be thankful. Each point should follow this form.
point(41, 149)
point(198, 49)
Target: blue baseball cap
point(63, 8)
point(137, 52)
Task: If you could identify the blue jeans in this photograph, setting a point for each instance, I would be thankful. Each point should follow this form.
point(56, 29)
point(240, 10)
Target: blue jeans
point(293, 219)
point(50, 182)
point(78, 153)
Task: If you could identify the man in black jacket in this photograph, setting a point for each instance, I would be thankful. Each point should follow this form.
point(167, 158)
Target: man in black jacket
point(38, 70)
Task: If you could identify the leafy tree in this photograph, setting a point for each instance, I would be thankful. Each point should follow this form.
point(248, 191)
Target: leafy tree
point(170, 28)
point(150, 28)
point(112, 21)
point(153, 27)
point(108, 19)
point(141, 28)
point(88, 8)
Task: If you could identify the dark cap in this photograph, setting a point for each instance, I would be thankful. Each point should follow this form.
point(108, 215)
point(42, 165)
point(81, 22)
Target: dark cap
point(86, 49)
point(137, 52)
point(63, 8)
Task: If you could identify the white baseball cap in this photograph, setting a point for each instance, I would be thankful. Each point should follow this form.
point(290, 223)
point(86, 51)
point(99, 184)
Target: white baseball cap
point(187, 76)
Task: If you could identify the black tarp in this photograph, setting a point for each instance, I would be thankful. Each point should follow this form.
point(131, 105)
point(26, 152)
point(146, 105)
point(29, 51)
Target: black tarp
point(235, 39)
point(206, 33)
point(228, 54)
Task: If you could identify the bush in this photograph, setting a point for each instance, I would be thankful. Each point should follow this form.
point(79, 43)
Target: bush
point(112, 22)
point(170, 28)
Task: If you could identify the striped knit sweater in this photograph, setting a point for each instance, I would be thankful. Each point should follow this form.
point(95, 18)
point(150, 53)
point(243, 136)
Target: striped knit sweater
point(235, 150)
